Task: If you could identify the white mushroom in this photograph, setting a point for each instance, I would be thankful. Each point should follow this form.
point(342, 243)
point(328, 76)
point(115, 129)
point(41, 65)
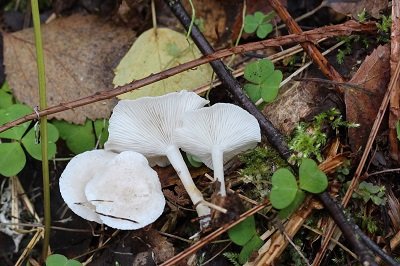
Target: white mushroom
point(147, 126)
point(127, 192)
point(76, 175)
point(216, 134)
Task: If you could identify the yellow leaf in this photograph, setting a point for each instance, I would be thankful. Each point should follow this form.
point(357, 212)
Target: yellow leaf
point(156, 50)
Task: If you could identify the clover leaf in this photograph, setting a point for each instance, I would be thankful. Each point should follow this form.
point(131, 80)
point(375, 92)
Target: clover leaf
point(311, 178)
point(11, 113)
point(34, 148)
point(13, 157)
point(263, 80)
point(81, 138)
point(252, 245)
point(286, 212)
point(6, 98)
point(284, 188)
point(241, 233)
point(61, 260)
point(258, 23)
point(245, 234)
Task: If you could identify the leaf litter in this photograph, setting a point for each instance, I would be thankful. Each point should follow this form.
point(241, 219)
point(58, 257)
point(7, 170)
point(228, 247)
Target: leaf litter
point(80, 53)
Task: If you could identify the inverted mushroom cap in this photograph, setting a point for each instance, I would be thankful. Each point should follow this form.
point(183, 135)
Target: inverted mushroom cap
point(127, 193)
point(223, 126)
point(76, 175)
point(146, 125)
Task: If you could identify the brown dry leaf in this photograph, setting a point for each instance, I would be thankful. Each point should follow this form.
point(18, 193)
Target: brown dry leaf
point(362, 105)
point(355, 7)
point(295, 103)
point(80, 54)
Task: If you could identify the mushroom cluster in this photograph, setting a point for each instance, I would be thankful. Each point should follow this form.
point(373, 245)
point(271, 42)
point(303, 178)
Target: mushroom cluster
point(115, 183)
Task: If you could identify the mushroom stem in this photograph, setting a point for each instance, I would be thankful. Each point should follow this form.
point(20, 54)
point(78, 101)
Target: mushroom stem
point(176, 160)
point(218, 166)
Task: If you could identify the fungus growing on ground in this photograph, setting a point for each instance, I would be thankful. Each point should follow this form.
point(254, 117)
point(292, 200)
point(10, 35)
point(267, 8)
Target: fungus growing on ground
point(119, 190)
point(127, 193)
point(216, 134)
point(147, 125)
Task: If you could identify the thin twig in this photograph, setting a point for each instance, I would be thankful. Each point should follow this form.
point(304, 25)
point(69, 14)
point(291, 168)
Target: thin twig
point(326, 68)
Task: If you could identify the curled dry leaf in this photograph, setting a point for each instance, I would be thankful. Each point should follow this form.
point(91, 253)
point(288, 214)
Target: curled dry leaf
point(80, 54)
point(363, 104)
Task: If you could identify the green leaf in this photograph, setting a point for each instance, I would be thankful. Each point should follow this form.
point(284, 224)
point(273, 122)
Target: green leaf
point(6, 99)
point(258, 71)
point(284, 188)
point(193, 160)
point(286, 212)
point(241, 233)
point(12, 159)
point(259, 17)
point(56, 260)
point(270, 87)
point(35, 149)
point(253, 245)
point(250, 24)
point(157, 50)
point(253, 91)
point(101, 130)
point(11, 113)
point(263, 30)
point(398, 129)
point(312, 179)
point(60, 260)
point(73, 263)
point(264, 80)
point(5, 87)
point(79, 138)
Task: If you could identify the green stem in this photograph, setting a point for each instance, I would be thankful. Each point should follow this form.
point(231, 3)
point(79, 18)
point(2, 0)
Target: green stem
point(43, 126)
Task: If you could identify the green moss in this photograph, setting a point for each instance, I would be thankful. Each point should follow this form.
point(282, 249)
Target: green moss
point(260, 163)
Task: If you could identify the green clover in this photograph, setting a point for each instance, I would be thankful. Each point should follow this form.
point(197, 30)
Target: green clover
point(13, 157)
point(263, 80)
point(258, 23)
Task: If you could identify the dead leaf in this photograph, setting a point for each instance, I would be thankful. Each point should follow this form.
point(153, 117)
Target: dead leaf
point(363, 104)
point(355, 7)
point(296, 103)
point(156, 50)
point(160, 246)
point(80, 54)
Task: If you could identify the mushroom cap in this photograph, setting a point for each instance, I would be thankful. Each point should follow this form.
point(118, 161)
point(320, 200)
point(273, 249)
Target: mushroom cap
point(76, 175)
point(147, 125)
point(223, 126)
point(127, 193)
